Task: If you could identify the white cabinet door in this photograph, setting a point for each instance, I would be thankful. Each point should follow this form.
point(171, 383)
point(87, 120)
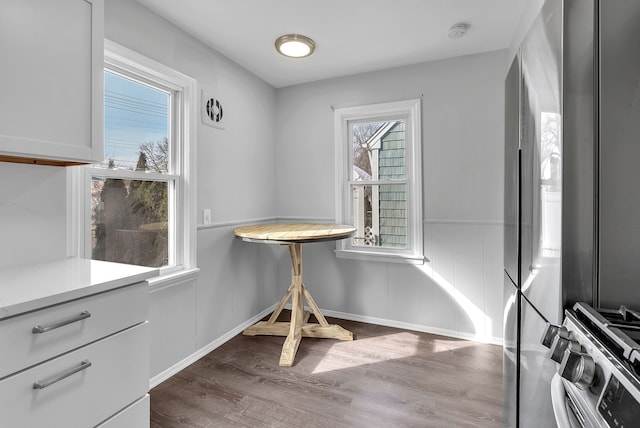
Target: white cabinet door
point(52, 79)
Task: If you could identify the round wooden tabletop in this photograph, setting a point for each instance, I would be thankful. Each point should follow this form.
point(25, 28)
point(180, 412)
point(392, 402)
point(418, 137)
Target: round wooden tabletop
point(294, 232)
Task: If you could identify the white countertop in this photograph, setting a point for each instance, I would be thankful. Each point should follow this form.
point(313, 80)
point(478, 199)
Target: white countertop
point(26, 288)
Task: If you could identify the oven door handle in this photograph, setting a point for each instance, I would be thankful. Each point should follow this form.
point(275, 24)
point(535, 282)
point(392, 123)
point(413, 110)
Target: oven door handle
point(559, 402)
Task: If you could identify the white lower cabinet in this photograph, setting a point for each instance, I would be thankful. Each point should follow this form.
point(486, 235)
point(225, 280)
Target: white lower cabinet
point(136, 415)
point(85, 321)
point(82, 388)
point(74, 345)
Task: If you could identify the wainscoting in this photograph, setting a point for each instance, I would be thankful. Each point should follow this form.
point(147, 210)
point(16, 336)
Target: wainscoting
point(457, 292)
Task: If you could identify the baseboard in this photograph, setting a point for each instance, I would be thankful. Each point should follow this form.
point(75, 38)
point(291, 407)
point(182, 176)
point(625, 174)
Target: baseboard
point(409, 326)
point(184, 363)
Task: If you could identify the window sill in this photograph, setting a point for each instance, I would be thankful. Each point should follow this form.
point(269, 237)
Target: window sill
point(381, 257)
point(172, 279)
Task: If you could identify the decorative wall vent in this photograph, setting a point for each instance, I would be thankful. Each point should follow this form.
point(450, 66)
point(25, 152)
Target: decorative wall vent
point(212, 112)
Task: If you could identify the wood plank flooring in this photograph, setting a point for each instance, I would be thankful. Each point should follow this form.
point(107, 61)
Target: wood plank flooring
point(385, 378)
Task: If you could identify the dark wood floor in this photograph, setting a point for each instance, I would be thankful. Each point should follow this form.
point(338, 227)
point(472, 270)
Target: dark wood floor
point(385, 378)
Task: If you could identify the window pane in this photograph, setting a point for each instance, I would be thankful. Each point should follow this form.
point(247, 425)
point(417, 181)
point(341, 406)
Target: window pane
point(378, 150)
point(550, 185)
point(380, 215)
point(129, 221)
point(136, 125)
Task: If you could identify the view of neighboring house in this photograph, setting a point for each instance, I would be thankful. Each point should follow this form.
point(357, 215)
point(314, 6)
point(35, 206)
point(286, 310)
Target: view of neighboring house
point(380, 210)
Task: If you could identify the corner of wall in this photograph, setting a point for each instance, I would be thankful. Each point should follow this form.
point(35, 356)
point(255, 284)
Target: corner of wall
point(529, 12)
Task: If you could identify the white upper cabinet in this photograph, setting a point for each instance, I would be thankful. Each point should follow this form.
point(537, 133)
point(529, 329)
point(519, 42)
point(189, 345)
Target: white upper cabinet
point(51, 81)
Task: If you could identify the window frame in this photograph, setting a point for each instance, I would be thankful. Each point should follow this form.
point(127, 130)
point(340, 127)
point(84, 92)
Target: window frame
point(183, 105)
point(410, 112)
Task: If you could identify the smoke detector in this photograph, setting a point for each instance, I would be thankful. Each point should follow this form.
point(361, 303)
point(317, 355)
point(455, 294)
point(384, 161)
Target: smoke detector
point(457, 30)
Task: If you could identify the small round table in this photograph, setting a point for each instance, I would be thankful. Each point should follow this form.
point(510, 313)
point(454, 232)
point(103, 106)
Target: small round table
point(294, 235)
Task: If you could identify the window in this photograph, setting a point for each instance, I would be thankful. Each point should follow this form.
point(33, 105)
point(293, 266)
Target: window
point(550, 151)
point(378, 181)
point(138, 201)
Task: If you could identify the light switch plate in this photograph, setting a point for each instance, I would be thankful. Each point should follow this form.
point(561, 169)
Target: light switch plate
point(206, 216)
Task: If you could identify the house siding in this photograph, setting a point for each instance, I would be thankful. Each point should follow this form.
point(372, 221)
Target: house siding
point(393, 198)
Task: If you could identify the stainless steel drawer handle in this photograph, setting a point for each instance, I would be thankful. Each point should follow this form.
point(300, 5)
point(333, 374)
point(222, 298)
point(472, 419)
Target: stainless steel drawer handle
point(43, 329)
point(41, 384)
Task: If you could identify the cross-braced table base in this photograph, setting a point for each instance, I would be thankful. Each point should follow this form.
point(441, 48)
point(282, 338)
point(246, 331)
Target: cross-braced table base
point(298, 327)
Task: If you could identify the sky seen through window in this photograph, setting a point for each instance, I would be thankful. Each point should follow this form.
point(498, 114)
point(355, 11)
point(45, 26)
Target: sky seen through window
point(134, 114)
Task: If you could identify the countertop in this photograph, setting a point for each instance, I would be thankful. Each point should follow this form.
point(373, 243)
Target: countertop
point(27, 288)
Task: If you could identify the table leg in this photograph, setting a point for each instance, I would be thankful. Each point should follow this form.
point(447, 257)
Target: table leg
point(298, 327)
point(294, 337)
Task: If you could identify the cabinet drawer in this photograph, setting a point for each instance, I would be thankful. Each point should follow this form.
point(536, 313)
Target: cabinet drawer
point(134, 416)
point(117, 376)
point(108, 313)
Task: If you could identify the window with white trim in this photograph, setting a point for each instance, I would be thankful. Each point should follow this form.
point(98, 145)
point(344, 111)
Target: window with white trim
point(378, 181)
point(139, 203)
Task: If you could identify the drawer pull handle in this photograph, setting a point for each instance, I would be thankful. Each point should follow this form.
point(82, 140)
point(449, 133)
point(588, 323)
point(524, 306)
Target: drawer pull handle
point(44, 383)
point(43, 329)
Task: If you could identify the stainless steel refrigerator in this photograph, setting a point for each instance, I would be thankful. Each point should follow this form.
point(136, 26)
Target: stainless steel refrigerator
point(549, 183)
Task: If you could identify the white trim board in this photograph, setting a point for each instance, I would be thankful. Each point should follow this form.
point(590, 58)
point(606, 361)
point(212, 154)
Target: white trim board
point(234, 223)
point(296, 219)
point(414, 327)
point(408, 326)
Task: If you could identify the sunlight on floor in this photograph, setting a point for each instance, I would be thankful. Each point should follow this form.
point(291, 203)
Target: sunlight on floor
point(391, 352)
point(446, 345)
point(384, 348)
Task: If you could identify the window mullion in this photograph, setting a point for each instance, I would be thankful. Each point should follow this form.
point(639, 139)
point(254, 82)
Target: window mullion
point(131, 175)
point(376, 182)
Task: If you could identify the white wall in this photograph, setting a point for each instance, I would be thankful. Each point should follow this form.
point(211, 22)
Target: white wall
point(462, 108)
point(236, 166)
point(33, 214)
point(235, 179)
point(460, 290)
point(529, 13)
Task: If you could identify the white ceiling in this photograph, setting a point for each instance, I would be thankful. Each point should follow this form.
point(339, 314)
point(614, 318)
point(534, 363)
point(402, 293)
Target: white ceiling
point(352, 36)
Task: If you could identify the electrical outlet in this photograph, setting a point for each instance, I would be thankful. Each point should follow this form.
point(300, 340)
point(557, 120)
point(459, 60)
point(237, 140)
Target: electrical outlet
point(206, 216)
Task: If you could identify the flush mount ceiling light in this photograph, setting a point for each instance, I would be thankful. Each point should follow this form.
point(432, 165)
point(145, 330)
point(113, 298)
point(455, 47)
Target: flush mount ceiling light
point(457, 30)
point(295, 45)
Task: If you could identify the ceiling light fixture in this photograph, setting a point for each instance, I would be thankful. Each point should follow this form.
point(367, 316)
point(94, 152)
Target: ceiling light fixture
point(457, 30)
point(295, 45)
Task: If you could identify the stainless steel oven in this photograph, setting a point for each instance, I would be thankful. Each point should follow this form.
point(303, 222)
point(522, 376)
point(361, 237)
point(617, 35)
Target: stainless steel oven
point(597, 383)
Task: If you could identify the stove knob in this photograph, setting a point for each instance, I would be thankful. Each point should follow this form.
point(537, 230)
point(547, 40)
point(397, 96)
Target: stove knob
point(560, 345)
point(551, 332)
point(577, 368)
